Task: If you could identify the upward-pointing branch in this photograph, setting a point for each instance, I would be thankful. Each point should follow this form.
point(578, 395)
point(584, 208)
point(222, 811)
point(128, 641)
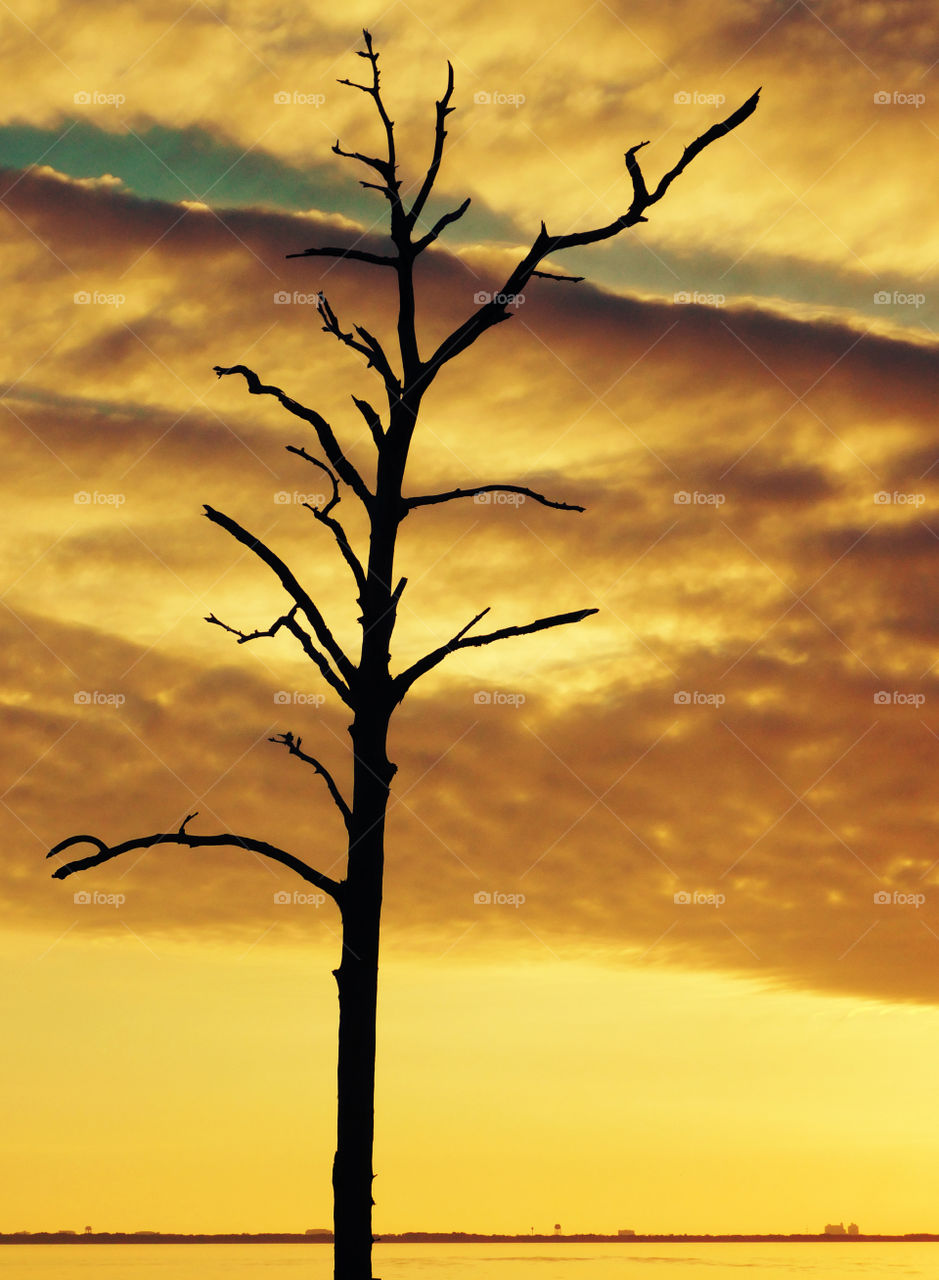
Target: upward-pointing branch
point(461, 640)
point(443, 110)
point(493, 313)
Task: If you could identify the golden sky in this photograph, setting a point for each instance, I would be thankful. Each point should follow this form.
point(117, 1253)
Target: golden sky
point(715, 1008)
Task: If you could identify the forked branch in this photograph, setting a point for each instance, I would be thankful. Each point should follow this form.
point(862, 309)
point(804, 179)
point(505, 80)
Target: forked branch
point(462, 640)
point(105, 853)
point(347, 669)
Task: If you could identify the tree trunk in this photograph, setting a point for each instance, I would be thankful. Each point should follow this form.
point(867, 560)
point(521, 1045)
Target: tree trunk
point(357, 979)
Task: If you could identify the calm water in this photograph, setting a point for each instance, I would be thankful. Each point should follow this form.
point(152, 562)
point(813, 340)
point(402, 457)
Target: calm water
point(474, 1261)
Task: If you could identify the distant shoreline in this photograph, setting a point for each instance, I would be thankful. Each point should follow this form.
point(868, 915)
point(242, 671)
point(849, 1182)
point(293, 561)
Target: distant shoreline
point(434, 1237)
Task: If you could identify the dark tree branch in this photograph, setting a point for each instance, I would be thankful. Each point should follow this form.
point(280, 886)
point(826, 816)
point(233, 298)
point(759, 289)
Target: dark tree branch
point(290, 584)
point(293, 746)
point(461, 640)
point(494, 313)
point(384, 168)
point(322, 515)
point(443, 110)
point(354, 255)
point(328, 442)
point(421, 245)
point(549, 275)
point(302, 453)
point(372, 419)
point(289, 621)
point(428, 499)
point(183, 837)
point(367, 345)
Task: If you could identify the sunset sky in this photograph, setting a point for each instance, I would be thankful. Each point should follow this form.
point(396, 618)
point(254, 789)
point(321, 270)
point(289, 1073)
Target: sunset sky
point(704, 995)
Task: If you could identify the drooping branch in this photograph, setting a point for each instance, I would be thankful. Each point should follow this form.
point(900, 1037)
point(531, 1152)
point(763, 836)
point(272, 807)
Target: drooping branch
point(493, 313)
point(402, 682)
point(322, 515)
point(302, 453)
point(443, 110)
point(105, 853)
point(293, 746)
point(347, 669)
point(428, 499)
point(328, 442)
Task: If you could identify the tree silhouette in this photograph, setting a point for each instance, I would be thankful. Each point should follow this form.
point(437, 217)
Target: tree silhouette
point(368, 687)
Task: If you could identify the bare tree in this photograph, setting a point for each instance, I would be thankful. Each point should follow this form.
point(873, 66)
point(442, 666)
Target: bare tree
point(368, 687)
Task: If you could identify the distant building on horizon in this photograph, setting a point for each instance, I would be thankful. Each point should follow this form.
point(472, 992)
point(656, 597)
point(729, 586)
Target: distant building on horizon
point(837, 1229)
point(853, 1229)
point(318, 1231)
point(625, 1231)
